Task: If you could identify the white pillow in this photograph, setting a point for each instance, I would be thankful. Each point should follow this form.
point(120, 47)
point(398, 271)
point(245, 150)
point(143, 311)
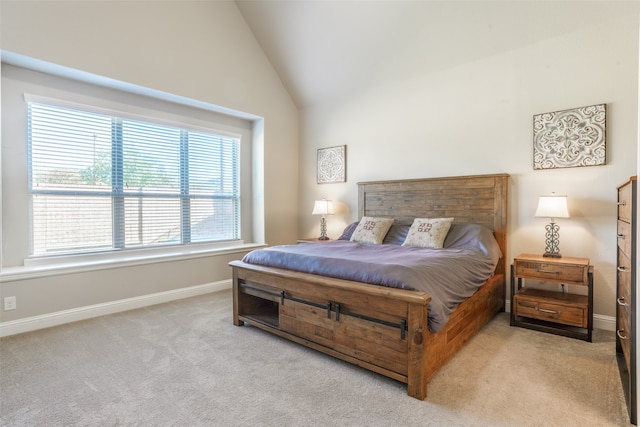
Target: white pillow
point(371, 229)
point(428, 232)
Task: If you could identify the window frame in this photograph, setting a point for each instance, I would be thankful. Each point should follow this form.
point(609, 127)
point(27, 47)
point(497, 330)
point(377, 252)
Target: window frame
point(21, 74)
point(118, 194)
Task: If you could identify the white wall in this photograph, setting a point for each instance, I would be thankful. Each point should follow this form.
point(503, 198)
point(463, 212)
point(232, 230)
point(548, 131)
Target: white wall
point(198, 50)
point(477, 119)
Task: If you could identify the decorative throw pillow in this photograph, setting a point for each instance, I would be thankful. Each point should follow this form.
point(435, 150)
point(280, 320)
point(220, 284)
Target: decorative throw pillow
point(428, 232)
point(371, 229)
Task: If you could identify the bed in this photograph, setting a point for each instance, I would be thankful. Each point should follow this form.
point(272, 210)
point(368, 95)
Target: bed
point(382, 328)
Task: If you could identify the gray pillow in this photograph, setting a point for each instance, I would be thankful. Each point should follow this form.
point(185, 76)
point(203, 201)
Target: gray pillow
point(395, 236)
point(473, 236)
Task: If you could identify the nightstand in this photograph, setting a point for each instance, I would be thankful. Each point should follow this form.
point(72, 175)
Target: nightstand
point(313, 240)
point(561, 313)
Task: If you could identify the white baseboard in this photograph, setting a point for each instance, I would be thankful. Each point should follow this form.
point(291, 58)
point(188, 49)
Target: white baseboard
point(607, 323)
point(81, 313)
point(600, 321)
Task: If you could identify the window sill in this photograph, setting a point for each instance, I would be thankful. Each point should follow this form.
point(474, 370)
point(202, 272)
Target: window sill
point(10, 274)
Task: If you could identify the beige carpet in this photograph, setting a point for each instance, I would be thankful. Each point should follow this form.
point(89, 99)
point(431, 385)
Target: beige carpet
point(185, 364)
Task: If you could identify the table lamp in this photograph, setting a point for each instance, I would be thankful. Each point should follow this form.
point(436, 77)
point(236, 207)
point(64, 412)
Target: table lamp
point(323, 207)
point(552, 207)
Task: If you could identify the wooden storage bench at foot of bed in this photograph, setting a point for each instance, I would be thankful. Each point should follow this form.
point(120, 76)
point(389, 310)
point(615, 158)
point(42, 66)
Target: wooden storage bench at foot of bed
point(381, 329)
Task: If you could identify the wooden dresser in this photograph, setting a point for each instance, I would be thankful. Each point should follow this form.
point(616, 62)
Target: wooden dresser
point(626, 293)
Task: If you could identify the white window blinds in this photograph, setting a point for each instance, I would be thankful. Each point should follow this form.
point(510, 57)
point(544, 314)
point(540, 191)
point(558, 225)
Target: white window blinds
point(98, 181)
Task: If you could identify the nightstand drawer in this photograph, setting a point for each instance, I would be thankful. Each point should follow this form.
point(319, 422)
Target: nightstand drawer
point(565, 273)
point(571, 313)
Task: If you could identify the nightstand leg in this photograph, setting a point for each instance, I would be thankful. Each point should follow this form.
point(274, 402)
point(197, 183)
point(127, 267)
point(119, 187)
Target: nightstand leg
point(512, 308)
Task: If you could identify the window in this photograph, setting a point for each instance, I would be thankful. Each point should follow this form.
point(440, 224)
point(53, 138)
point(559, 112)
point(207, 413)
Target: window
point(100, 181)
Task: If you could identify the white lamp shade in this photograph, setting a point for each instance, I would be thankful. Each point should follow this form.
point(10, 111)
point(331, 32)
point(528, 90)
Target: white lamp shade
point(552, 207)
point(323, 207)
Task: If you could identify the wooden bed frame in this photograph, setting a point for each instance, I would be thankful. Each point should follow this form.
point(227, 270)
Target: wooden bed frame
point(379, 328)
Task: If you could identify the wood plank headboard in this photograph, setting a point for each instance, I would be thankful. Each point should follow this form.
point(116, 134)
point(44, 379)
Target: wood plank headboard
point(478, 199)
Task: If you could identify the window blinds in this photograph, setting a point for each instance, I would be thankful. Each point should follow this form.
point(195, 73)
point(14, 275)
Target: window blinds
point(98, 181)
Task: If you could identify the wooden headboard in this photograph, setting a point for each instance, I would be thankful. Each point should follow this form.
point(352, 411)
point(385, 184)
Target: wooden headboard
point(478, 199)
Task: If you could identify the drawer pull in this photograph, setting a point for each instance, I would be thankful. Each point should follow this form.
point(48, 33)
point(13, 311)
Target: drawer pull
point(621, 302)
point(540, 270)
point(544, 310)
point(623, 270)
point(622, 203)
point(620, 236)
point(619, 333)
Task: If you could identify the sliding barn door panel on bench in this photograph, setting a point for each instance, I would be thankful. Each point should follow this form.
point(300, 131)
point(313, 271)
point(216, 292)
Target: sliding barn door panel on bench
point(340, 327)
point(367, 327)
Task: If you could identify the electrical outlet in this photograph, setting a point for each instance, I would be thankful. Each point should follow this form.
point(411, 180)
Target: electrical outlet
point(9, 303)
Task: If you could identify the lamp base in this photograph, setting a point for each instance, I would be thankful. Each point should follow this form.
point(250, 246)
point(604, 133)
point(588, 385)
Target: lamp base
point(552, 239)
point(323, 229)
point(551, 255)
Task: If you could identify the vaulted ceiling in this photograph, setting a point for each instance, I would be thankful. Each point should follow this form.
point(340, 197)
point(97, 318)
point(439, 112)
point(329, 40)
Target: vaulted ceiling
point(327, 49)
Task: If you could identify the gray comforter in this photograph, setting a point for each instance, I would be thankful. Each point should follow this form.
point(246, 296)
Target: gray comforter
point(449, 275)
